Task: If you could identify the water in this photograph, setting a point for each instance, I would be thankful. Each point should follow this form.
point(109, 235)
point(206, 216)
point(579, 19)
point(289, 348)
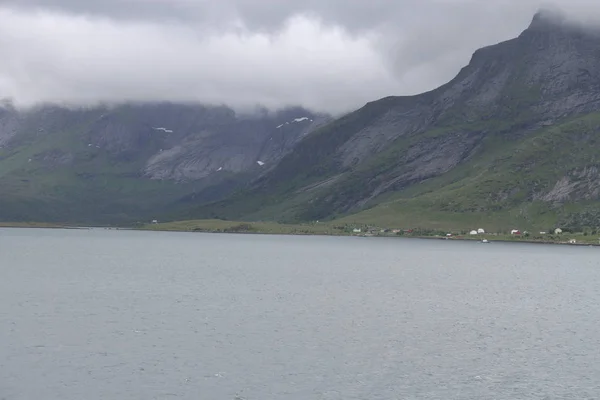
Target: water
point(137, 315)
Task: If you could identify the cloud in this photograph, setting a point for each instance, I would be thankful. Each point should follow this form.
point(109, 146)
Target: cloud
point(51, 56)
point(326, 55)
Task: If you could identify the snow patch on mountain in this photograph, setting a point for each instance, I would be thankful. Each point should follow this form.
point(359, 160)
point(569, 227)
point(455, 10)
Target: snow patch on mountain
point(302, 119)
point(295, 120)
point(165, 130)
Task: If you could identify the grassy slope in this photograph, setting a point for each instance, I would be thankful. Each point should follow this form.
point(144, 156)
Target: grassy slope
point(92, 191)
point(495, 188)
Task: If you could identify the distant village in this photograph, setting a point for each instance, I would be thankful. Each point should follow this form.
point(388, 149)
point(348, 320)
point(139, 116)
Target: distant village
point(555, 235)
point(473, 234)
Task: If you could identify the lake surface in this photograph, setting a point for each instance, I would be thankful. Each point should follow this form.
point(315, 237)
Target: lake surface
point(99, 314)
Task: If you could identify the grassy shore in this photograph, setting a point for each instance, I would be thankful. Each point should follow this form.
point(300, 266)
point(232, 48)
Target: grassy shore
point(578, 239)
point(220, 226)
point(335, 228)
point(32, 225)
point(340, 229)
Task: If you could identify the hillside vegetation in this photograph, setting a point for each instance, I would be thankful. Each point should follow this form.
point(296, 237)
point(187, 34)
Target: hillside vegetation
point(130, 163)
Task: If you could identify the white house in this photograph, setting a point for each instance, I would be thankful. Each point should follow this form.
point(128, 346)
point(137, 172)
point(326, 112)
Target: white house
point(155, 221)
point(473, 233)
point(356, 230)
point(558, 231)
point(480, 231)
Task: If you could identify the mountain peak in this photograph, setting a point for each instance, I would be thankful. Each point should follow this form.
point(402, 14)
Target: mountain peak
point(548, 18)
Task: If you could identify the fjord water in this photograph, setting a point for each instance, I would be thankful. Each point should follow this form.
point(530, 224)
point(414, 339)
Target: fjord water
point(98, 314)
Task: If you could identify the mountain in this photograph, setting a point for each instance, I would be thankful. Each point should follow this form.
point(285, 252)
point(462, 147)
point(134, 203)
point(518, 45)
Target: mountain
point(129, 162)
point(512, 140)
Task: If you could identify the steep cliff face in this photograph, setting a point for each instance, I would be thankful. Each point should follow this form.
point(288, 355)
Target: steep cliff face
point(466, 129)
point(149, 154)
point(244, 145)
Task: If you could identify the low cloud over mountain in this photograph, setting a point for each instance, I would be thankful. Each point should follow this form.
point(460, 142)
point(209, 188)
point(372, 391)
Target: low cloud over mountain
point(326, 55)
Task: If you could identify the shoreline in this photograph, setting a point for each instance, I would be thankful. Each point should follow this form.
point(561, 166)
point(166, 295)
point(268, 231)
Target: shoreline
point(518, 241)
point(148, 228)
point(461, 239)
point(6, 225)
point(40, 226)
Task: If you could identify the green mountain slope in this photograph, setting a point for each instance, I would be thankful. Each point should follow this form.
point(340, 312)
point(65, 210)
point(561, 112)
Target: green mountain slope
point(511, 140)
point(57, 177)
point(547, 179)
point(131, 163)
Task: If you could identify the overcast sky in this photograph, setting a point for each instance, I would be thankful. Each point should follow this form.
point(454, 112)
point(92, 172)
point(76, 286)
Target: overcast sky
point(328, 55)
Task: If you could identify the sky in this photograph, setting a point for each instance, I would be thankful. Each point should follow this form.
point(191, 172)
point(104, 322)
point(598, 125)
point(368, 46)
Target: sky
point(326, 55)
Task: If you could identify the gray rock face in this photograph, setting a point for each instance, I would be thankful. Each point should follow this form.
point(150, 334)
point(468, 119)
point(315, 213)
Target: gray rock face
point(550, 71)
point(245, 145)
point(402, 120)
point(167, 141)
point(578, 184)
